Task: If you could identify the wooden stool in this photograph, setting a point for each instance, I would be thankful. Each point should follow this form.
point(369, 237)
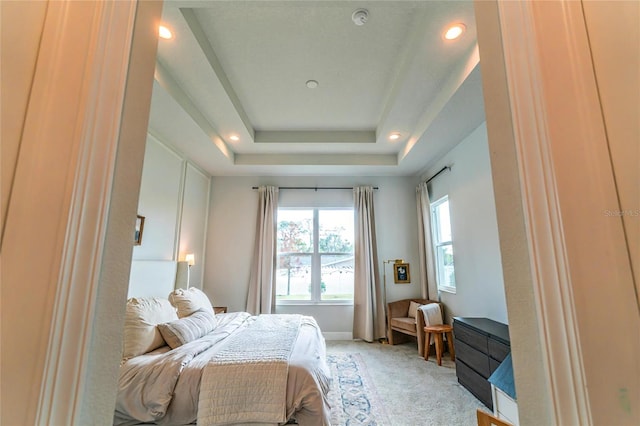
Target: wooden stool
point(438, 331)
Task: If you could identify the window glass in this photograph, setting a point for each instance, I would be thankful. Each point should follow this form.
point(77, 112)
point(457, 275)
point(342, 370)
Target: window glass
point(336, 231)
point(293, 277)
point(443, 245)
point(315, 255)
point(295, 231)
point(446, 276)
point(444, 224)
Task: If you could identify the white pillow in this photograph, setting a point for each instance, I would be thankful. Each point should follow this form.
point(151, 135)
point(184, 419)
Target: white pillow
point(413, 309)
point(189, 301)
point(140, 332)
point(184, 330)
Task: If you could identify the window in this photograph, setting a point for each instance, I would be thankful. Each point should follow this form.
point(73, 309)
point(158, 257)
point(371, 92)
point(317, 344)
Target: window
point(315, 256)
point(443, 247)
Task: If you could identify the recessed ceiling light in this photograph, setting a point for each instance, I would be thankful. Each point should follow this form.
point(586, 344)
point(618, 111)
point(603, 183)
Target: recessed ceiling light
point(164, 32)
point(394, 136)
point(234, 138)
point(454, 31)
point(312, 84)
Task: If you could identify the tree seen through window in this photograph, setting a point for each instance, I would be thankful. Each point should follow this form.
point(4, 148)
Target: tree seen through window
point(315, 255)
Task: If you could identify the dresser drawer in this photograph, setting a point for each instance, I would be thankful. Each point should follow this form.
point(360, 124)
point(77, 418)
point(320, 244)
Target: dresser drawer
point(473, 358)
point(493, 364)
point(475, 383)
point(470, 337)
point(498, 350)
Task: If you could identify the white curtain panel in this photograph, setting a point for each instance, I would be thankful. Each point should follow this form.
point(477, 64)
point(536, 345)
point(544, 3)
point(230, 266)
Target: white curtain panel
point(261, 297)
point(427, 263)
point(368, 310)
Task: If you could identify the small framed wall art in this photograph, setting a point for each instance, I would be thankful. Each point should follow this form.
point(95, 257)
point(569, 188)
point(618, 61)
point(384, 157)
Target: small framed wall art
point(137, 238)
point(401, 274)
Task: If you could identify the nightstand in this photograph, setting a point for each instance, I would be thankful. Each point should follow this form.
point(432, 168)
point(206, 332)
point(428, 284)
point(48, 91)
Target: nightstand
point(220, 309)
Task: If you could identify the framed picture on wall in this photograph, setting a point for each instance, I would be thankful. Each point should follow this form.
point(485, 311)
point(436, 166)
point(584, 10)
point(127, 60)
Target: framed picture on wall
point(401, 273)
point(137, 238)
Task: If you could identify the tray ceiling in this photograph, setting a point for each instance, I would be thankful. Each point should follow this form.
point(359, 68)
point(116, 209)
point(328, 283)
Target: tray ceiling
point(238, 70)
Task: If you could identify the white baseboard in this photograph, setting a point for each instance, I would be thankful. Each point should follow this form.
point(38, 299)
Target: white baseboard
point(338, 335)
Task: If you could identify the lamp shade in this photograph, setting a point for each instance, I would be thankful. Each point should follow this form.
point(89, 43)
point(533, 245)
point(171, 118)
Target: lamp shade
point(190, 259)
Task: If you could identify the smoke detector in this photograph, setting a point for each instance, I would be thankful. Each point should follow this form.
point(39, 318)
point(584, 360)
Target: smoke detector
point(360, 16)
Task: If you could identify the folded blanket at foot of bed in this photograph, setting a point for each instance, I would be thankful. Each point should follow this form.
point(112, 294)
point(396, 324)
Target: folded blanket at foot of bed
point(246, 382)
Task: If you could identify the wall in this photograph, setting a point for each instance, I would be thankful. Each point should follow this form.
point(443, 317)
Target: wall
point(20, 39)
point(535, 405)
point(71, 201)
point(174, 198)
point(232, 223)
point(617, 70)
point(22, 360)
point(159, 202)
point(193, 224)
point(476, 250)
point(556, 174)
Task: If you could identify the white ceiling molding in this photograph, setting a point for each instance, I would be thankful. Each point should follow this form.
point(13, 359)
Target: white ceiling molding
point(349, 136)
point(401, 70)
point(318, 159)
point(169, 84)
point(458, 75)
point(207, 50)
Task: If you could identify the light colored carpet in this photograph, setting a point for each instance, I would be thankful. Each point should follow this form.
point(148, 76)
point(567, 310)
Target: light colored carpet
point(413, 391)
point(353, 397)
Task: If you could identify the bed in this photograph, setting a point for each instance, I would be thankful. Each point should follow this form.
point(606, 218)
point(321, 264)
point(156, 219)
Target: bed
point(184, 364)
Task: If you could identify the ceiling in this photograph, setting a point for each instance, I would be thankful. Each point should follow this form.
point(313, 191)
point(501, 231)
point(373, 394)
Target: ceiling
point(239, 68)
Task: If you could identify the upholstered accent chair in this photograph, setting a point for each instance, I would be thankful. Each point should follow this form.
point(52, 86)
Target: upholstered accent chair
point(405, 322)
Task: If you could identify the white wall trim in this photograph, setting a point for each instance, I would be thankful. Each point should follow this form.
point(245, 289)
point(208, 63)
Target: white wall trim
point(108, 29)
point(523, 41)
point(337, 335)
point(167, 145)
point(206, 219)
point(186, 164)
point(178, 224)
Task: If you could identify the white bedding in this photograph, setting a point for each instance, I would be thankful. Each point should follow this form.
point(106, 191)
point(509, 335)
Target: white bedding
point(246, 382)
point(162, 387)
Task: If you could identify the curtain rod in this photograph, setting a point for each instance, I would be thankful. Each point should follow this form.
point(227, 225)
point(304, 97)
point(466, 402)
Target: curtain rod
point(440, 171)
point(315, 188)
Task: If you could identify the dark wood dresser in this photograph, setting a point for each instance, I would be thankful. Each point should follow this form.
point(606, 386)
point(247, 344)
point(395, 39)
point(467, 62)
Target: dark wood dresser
point(481, 344)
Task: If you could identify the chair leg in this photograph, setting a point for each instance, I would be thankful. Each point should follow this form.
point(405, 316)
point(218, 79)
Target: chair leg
point(427, 345)
point(438, 337)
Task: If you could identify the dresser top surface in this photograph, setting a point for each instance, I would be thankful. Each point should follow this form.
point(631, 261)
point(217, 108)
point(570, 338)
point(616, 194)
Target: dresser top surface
point(486, 326)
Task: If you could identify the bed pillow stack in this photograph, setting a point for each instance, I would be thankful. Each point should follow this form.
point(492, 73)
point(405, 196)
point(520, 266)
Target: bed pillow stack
point(154, 322)
point(184, 330)
point(196, 317)
point(140, 332)
point(189, 301)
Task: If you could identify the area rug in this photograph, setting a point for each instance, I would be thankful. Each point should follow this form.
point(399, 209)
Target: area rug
point(353, 397)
